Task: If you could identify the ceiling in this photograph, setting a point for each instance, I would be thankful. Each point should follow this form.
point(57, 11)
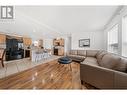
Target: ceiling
point(52, 21)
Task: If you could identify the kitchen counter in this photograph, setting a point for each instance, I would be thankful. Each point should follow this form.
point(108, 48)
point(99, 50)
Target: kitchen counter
point(33, 53)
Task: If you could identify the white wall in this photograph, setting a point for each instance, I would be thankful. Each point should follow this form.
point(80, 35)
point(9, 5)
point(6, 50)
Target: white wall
point(96, 40)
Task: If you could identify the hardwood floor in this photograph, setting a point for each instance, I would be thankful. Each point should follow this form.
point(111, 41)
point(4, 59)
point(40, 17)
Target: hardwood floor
point(50, 75)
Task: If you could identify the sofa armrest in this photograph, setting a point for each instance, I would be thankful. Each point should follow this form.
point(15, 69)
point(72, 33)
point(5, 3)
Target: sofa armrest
point(97, 76)
point(120, 80)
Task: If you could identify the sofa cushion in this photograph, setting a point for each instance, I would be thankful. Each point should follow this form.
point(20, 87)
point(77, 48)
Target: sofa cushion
point(91, 53)
point(94, 63)
point(81, 52)
point(122, 65)
point(75, 56)
point(99, 52)
point(110, 61)
point(100, 55)
point(73, 52)
point(90, 61)
point(71, 55)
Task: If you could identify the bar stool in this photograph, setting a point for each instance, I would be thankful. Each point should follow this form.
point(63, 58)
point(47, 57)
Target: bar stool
point(37, 56)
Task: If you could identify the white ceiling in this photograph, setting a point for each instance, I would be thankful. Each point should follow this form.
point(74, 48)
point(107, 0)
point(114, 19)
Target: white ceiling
point(51, 21)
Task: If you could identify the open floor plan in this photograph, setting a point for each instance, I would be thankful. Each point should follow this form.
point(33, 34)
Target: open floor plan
point(63, 47)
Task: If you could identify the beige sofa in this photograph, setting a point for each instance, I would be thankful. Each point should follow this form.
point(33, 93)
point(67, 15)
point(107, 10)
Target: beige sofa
point(77, 55)
point(102, 69)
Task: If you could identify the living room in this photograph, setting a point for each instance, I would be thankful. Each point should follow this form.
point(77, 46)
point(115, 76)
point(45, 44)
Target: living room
point(63, 47)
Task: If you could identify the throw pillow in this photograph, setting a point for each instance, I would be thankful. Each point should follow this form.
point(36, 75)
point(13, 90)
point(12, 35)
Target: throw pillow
point(110, 61)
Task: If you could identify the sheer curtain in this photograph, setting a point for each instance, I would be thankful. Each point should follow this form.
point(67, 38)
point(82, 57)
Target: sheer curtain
point(113, 39)
point(124, 37)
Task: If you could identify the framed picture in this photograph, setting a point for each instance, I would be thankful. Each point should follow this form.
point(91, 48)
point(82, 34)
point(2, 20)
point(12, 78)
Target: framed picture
point(84, 43)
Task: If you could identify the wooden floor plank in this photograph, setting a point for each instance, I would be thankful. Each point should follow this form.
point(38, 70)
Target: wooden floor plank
point(50, 75)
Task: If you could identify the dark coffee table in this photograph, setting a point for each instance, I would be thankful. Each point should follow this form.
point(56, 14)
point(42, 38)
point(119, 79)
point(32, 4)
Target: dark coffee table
point(65, 60)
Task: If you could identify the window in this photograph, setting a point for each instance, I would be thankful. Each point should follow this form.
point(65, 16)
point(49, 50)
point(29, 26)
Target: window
point(113, 39)
point(124, 37)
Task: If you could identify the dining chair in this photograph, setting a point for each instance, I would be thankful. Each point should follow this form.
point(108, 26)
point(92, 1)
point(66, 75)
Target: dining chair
point(2, 53)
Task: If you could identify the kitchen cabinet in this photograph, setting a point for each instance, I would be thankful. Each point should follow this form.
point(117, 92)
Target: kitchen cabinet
point(61, 51)
point(58, 42)
point(27, 41)
point(2, 39)
point(58, 46)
